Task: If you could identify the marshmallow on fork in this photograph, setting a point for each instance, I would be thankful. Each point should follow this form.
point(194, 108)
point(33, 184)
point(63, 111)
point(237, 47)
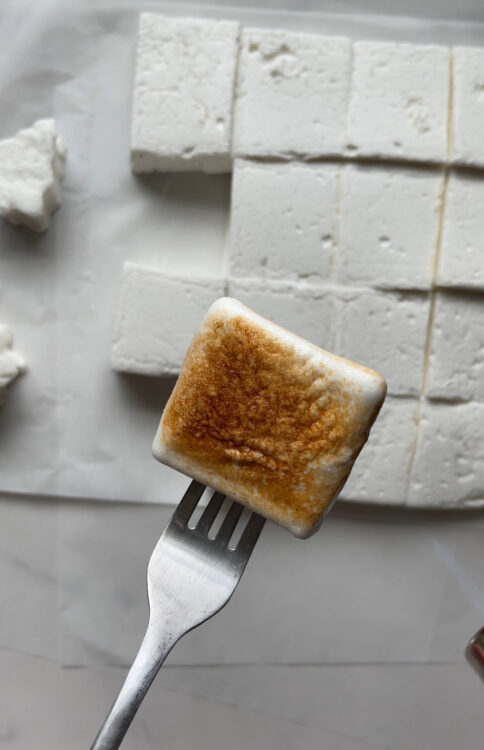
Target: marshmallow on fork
point(266, 417)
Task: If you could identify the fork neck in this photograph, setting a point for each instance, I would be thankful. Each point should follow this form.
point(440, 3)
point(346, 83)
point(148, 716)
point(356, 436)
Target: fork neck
point(154, 649)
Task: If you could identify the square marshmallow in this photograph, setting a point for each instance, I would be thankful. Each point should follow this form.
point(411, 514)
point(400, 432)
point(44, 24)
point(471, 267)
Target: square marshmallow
point(183, 92)
point(399, 101)
point(156, 318)
point(462, 252)
point(303, 309)
point(468, 106)
point(284, 220)
point(266, 417)
point(382, 469)
point(291, 94)
point(456, 368)
point(389, 226)
point(385, 331)
point(448, 468)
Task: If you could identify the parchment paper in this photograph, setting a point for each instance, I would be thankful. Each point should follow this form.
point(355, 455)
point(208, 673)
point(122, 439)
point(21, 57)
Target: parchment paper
point(71, 426)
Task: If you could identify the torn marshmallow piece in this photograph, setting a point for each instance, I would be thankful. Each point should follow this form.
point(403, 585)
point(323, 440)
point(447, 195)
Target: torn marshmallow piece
point(157, 314)
point(389, 226)
point(387, 330)
point(284, 220)
point(399, 101)
point(305, 309)
point(456, 364)
point(12, 363)
point(461, 261)
point(381, 472)
point(266, 417)
point(31, 171)
point(291, 94)
point(468, 106)
point(448, 468)
point(183, 92)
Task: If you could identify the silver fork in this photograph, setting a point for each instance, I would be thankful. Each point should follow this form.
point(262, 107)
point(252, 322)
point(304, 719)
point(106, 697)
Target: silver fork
point(190, 578)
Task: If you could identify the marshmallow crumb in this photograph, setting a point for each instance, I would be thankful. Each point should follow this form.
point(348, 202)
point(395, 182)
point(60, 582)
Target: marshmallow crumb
point(12, 363)
point(31, 170)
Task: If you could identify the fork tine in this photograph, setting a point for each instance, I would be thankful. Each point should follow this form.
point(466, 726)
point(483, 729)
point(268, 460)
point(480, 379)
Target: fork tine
point(229, 523)
point(189, 502)
point(251, 533)
point(210, 513)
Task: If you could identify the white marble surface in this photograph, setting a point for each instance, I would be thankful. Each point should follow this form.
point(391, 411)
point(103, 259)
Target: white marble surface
point(270, 708)
point(29, 582)
point(411, 584)
point(352, 640)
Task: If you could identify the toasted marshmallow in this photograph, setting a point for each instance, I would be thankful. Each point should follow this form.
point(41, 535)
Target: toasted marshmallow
point(266, 417)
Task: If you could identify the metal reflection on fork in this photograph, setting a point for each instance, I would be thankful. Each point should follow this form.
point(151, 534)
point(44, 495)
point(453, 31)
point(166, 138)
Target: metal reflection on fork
point(190, 578)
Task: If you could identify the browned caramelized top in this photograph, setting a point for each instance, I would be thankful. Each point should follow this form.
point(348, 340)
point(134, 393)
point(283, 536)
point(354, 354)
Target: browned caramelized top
point(247, 407)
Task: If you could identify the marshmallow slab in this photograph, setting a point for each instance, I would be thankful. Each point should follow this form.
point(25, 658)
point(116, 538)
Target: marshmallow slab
point(306, 310)
point(183, 93)
point(266, 417)
point(381, 471)
point(291, 94)
point(399, 101)
point(156, 317)
point(456, 366)
point(31, 171)
point(385, 331)
point(389, 226)
point(284, 220)
point(448, 469)
point(468, 106)
point(462, 253)
point(12, 364)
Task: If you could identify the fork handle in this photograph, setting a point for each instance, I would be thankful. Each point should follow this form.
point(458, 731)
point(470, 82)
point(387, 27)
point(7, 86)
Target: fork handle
point(152, 653)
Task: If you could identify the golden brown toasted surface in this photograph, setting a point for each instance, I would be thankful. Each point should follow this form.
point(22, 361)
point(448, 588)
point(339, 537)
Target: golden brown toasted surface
point(249, 409)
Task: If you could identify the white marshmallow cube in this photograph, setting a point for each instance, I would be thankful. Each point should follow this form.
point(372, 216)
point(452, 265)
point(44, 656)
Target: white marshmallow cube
point(303, 309)
point(183, 92)
point(291, 94)
point(385, 331)
point(31, 171)
point(456, 368)
point(389, 226)
point(156, 318)
point(462, 252)
point(468, 106)
point(399, 101)
point(284, 220)
point(12, 364)
point(381, 471)
point(448, 468)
